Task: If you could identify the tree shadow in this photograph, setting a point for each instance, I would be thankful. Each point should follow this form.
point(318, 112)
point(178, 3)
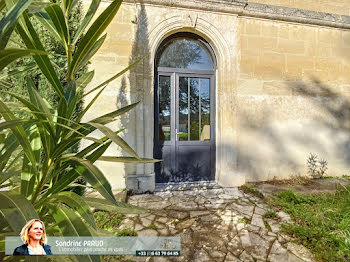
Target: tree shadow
point(137, 88)
point(280, 129)
point(278, 139)
point(317, 121)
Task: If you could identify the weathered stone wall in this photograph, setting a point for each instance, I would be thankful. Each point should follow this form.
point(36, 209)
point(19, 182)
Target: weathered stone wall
point(126, 42)
point(282, 90)
point(292, 98)
point(340, 7)
point(112, 58)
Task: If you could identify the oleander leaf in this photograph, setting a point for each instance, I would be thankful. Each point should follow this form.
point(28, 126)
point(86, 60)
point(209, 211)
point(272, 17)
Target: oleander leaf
point(32, 41)
point(124, 159)
point(16, 210)
point(58, 20)
point(77, 203)
point(8, 22)
point(89, 15)
point(88, 41)
point(10, 55)
point(115, 138)
point(72, 224)
point(94, 177)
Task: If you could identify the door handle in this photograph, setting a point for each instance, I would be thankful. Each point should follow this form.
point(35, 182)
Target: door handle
point(177, 134)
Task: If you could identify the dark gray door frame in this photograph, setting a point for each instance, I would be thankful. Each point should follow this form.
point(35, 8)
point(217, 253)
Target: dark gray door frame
point(174, 74)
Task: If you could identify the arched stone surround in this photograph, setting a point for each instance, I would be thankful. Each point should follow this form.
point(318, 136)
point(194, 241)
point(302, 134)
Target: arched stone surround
point(194, 22)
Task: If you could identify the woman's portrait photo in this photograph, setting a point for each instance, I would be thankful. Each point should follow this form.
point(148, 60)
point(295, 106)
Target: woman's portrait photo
point(34, 238)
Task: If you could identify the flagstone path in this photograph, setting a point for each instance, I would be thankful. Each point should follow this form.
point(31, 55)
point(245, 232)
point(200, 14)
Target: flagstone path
point(222, 224)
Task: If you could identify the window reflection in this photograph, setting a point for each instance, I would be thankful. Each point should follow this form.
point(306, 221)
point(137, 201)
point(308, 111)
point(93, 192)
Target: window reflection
point(164, 108)
point(185, 53)
point(183, 109)
point(205, 109)
point(194, 109)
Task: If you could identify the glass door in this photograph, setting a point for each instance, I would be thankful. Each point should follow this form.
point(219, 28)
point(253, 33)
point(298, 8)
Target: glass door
point(193, 145)
point(185, 126)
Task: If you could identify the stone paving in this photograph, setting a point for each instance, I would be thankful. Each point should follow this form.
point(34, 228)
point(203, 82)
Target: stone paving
point(214, 225)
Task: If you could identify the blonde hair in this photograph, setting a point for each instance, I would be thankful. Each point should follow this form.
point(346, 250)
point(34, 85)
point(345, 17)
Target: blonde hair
point(25, 230)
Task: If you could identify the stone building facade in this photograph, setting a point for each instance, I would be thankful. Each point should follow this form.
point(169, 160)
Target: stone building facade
point(280, 85)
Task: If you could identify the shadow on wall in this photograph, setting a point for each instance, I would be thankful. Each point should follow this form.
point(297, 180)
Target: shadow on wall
point(281, 131)
point(140, 89)
point(278, 132)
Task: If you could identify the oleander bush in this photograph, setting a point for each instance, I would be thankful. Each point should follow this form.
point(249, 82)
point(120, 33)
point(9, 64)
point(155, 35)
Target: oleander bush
point(40, 137)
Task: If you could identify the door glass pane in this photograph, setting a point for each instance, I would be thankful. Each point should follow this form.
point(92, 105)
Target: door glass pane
point(164, 108)
point(183, 109)
point(205, 109)
point(194, 108)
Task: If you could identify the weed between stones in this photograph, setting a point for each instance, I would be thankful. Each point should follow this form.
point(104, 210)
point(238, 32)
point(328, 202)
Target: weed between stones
point(248, 189)
point(270, 214)
point(153, 226)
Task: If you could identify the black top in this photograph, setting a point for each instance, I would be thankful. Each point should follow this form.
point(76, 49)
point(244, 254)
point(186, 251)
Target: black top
point(23, 250)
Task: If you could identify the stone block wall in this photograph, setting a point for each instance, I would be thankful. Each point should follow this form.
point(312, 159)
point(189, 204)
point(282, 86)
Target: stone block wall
point(280, 52)
point(282, 88)
point(292, 98)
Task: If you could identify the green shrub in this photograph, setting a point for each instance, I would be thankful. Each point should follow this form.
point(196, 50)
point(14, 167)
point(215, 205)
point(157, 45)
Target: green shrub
point(316, 167)
point(46, 135)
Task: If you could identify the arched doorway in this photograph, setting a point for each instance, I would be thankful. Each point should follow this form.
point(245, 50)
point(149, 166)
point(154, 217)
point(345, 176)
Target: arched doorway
point(184, 134)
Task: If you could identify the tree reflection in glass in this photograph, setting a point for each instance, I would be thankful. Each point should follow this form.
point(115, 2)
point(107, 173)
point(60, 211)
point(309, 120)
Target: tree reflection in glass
point(205, 109)
point(164, 108)
point(194, 109)
point(187, 54)
point(183, 108)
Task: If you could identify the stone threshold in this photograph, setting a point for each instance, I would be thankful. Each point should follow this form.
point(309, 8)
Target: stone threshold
point(184, 186)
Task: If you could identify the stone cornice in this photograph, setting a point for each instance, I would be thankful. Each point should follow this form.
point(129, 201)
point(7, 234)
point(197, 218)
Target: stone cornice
point(296, 15)
point(248, 9)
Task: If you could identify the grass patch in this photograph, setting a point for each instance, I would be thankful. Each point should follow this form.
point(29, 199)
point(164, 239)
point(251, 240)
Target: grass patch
point(108, 220)
point(346, 177)
point(321, 222)
point(295, 179)
point(126, 232)
point(271, 215)
point(248, 189)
